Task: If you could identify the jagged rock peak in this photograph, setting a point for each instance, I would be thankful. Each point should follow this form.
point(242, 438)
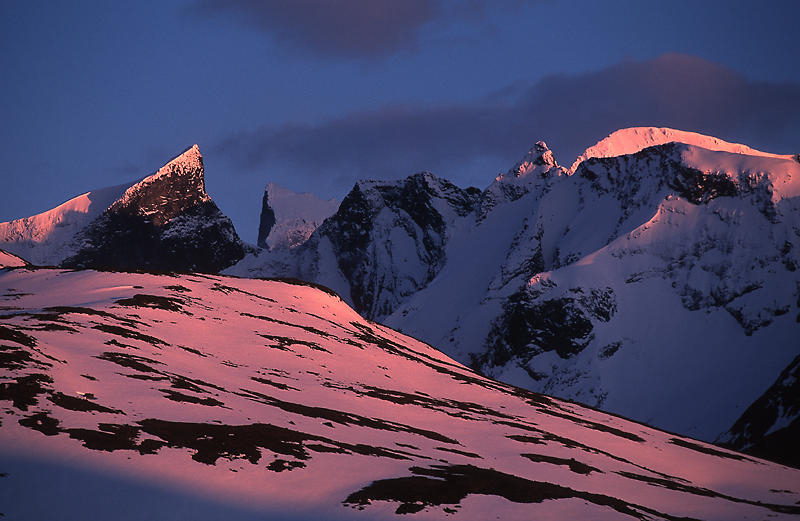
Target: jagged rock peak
point(539, 157)
point(190, 159)
point(176, 186)
point(165, 222)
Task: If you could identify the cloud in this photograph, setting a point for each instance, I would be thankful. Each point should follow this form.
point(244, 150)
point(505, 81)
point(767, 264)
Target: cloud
point(673, 90)
point(352, 28)
point(385, 143)
point(570, 112)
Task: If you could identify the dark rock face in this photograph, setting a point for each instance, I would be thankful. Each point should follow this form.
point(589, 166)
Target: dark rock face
point(166, 222)
point(530, 325)
point(418, 207)
point(200, 239)
point(770, 427)
point(613, 175)
point(177, 186)
point(349, 230)
point(266, 222)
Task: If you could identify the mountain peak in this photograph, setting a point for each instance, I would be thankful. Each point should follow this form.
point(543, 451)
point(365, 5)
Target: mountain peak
point(631, 140)
point(189, 158)
point(177, 185)
point(166, 221)
point(539, 157)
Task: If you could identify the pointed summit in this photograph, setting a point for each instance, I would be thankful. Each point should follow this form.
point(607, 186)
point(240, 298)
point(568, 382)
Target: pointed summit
point(165, 222)
point(48, 238)
point(176, 186)
point(539, 158)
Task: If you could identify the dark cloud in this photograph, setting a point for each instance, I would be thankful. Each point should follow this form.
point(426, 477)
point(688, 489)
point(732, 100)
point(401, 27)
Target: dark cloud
point(351, 28)
point(673, 90)
point(386, 143)
point(569, 112)
point(354, 28)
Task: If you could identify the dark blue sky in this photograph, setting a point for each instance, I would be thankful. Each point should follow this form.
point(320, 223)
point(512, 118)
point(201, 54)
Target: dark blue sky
point(315, 94)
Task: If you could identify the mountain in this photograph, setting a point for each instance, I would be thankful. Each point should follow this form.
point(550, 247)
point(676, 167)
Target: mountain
point(47, 238)
point(631, 140)
point(166, 221)
point(770, 427)
point(661, 267)
point(386, 241)
point(289, 218)
point(137, 396)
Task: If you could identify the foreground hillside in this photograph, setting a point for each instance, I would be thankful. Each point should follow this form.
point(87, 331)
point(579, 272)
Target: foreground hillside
point(275, 399)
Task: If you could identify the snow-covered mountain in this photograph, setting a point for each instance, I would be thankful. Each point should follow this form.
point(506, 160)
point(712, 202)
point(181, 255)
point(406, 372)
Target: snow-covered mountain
point(48, 238)
point(385, 242)
point(210, 397)
point(661, 267)
point(289, 218)
point(165, 221)
point(631, 140)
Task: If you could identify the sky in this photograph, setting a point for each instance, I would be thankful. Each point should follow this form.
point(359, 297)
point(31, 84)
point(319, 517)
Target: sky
point(316, 94)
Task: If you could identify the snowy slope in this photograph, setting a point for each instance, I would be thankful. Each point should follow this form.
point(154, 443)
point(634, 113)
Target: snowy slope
point(288, 219)
point(9, 260)
point(274, 399)
point(636, 284)
point(662, 266)
point(47, 238)
point(166, 221)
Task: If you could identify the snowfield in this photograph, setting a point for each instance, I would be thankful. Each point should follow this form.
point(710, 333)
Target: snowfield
point(224, 397)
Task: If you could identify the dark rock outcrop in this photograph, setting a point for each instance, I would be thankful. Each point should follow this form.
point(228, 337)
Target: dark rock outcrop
point(166, 222)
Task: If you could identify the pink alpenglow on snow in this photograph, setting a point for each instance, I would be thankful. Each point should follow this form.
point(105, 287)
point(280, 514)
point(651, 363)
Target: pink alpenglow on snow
point(274, 399)
point(631, 140)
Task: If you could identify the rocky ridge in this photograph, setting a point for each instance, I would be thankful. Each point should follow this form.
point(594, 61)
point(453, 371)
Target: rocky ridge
point(580, 282)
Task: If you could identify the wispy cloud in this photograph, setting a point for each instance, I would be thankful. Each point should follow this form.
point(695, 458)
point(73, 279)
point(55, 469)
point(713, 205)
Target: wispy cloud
point(571, 112)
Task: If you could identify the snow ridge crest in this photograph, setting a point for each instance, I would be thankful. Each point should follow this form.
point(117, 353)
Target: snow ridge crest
point(634, 139)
